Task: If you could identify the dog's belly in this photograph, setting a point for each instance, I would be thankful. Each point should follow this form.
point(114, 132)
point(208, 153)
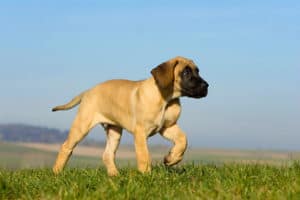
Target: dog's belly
point(109, 120)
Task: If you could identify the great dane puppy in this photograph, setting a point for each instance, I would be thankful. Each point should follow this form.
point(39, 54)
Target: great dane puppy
point(141, 107)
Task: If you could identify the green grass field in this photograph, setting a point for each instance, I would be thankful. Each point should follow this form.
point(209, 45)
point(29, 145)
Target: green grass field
point(207, 174)
point(229, 181)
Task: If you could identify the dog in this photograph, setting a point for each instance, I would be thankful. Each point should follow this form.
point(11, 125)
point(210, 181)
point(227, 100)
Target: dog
point(143, 108)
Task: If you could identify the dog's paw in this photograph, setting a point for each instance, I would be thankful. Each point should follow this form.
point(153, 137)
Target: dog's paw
point(56, 170)
point(170, 160)
point(112, 173)
point(144, 168)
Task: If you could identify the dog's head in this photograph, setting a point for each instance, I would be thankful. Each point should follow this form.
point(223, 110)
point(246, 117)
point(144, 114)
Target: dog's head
point(181, 76)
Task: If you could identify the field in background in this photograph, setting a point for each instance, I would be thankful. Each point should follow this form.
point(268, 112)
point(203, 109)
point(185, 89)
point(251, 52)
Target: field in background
point(38, 155)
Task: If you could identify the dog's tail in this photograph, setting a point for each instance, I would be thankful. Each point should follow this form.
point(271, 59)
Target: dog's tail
point(74, 102)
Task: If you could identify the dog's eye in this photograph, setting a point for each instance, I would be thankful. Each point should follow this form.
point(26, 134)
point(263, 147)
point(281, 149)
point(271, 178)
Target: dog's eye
point(186, 72)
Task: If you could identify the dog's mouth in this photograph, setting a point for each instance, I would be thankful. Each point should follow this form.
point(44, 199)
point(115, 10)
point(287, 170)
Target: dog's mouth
point(203, 93)
point(195, 93)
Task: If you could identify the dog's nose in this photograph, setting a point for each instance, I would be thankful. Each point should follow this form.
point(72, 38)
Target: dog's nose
point(204, 84)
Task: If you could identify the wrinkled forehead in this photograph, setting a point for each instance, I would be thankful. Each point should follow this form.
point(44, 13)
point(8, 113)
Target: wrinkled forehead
point(184, 62)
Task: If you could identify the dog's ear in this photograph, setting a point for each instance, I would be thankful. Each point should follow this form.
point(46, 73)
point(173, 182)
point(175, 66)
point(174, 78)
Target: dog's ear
point(164, 73)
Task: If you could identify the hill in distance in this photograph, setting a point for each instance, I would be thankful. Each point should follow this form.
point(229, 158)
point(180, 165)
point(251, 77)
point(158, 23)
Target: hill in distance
point(38, 134)
point(29, 133)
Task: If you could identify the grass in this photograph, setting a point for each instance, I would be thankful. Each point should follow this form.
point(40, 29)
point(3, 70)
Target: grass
point(213, 175)
point(189, 181)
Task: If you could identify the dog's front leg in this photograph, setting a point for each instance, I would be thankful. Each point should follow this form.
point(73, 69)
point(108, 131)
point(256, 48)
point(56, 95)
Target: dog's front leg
point(177, 136)
point(142, 152)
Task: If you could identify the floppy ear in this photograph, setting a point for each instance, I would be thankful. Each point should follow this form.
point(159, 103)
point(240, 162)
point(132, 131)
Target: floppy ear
point(164, 73)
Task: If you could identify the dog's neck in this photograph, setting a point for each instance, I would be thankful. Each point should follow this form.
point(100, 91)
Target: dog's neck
point(161, 96)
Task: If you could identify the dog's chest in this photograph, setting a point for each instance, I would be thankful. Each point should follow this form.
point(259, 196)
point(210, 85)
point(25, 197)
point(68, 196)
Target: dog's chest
point(158, 122)
point(165, 117)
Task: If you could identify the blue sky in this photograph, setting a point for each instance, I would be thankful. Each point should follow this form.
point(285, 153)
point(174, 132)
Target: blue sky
point(248, 51)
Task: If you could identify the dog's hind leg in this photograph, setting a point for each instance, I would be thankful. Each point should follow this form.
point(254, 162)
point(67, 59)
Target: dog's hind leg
point(113, 134)
point(176, 135)
point(81, 126)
